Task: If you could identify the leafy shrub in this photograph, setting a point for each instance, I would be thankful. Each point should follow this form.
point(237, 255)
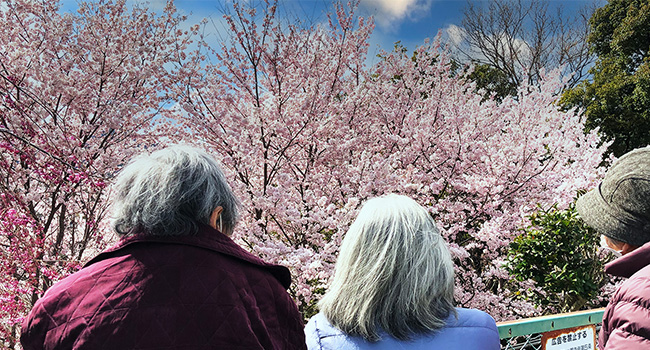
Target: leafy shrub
point(560, 254)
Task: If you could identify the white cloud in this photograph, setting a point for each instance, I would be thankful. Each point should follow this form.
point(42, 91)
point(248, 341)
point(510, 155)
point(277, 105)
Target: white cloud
point(389, 13)
point(454, 34)
point(395, 8)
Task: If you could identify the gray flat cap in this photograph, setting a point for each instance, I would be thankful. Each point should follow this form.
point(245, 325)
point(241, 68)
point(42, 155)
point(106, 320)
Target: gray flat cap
point(620, 206)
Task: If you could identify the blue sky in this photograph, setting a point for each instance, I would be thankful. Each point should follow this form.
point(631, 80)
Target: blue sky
point(407, 21)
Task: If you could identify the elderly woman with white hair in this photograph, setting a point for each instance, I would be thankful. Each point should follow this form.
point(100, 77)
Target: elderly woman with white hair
point(393, 288)
point(175, 280)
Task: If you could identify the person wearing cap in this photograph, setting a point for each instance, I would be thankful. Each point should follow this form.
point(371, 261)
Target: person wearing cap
point(619, 209)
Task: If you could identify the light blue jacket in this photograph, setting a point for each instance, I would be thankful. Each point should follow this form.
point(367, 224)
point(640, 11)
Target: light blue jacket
point(473, 330)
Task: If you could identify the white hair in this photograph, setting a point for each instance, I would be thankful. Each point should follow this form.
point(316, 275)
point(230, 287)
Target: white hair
point(394, 273)
point(170, 192)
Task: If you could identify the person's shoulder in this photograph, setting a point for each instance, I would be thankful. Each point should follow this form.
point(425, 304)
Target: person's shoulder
point(61, 300)
point(468, 329)
point(80, 282)
point(625, 320)
point(472, 318)
point(321, 335)
point(320, 326)
point(67, 284)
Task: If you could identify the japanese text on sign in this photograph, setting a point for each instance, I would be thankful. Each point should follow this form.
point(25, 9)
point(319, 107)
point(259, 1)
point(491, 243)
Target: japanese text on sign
point(578, 338)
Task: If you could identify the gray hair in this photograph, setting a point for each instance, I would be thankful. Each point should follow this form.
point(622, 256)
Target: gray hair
point(394, 273)
point(170, 192)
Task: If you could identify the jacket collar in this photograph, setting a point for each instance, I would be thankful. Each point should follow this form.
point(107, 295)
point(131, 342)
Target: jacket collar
point(207, 238)
point(630, 263)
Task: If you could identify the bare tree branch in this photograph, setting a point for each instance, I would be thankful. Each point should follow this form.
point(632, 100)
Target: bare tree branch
point(523, 38)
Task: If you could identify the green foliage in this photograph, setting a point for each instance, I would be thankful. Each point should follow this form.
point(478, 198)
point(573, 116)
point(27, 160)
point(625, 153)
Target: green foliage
point(493, 81)
point(559, 253)
point(618, 99)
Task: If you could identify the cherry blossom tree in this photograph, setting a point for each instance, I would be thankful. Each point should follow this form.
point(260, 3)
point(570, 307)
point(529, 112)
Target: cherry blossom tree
point(480, 165)
point(307, 132)
point(80, 93)
point(283, 107)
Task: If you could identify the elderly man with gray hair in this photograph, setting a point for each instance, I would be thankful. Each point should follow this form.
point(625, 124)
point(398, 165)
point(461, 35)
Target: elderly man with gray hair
point(619, 209)
point(175, 280)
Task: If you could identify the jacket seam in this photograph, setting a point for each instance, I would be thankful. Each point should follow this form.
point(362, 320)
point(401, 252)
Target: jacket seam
point(318, 335)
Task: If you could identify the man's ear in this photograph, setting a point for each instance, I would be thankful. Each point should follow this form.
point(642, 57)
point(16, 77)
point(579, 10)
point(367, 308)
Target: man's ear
point(216, 213)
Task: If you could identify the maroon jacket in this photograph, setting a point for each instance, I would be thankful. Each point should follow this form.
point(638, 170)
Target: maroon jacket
point(626, 322)
point(191, 292)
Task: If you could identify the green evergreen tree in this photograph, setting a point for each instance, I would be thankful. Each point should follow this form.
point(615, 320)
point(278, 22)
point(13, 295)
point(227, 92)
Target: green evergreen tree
point(493, 81)
point(617, 99)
